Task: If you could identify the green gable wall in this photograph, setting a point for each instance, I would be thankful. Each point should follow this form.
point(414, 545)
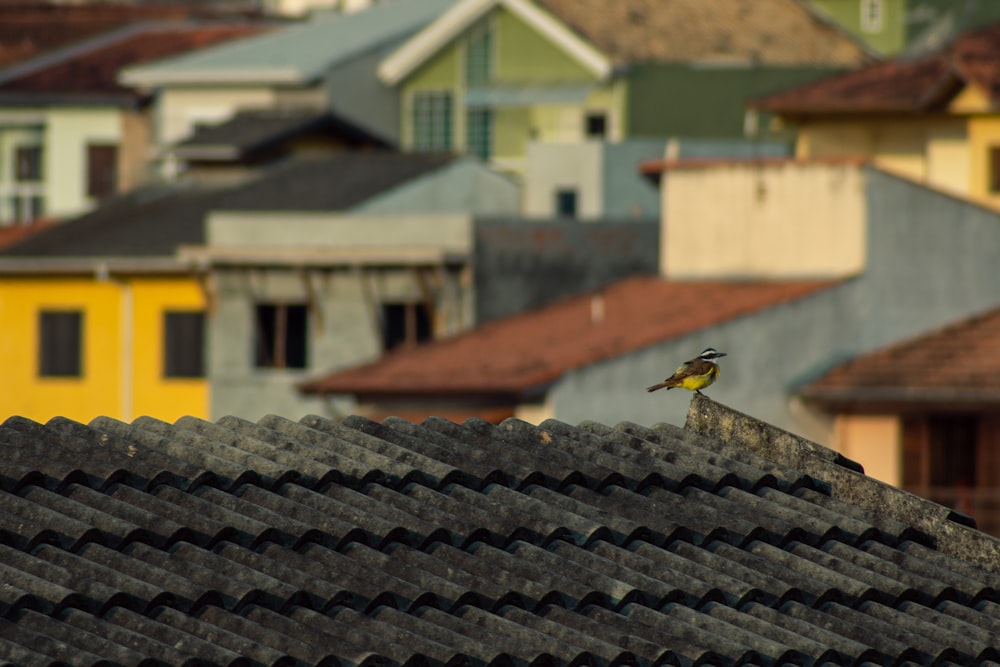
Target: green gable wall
point(847, 13)
point(692, 101)
point(524, 56)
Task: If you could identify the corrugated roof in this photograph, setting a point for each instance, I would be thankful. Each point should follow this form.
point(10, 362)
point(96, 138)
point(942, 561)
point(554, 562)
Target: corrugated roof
point(155, 221)
point(298, 53)
point(774, 32)
point(524, 352)
point(358, 543)
point(924, 84)
point(957, 363)
point(89, 72)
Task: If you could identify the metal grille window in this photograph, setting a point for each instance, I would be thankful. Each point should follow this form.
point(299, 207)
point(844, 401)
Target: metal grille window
point(871, 15)
point(405, 324)
point(60, 345)
point(281, 335)
point(184, 344)
point(480, 130)
point(432, 120)
point(479, 55)
point(28, 163)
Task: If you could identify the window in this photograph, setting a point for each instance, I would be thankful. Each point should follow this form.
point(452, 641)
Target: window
point(102, 170)
point(479, 56)
point(596, 125)
point(28, 163)
point(480, 126)
point(994, 158)
point(60, 345)
point(183, 344)
point(566, 203)
point(405, 323)
point(281, 333)
point(951, 441)
point(25, 208)
point(432, 121)
point(871, 15)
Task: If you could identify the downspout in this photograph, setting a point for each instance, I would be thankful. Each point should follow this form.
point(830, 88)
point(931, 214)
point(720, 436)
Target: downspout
point(126, 307)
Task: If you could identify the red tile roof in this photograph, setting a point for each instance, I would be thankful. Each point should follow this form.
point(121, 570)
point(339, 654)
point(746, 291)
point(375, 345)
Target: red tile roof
point(518, 354)
point(30, 28)
point(924, 84)
point(958, 362)
point(95, 72)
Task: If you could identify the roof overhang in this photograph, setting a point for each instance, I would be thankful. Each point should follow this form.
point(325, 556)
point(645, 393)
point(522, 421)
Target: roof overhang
point(406, 59)
point(900, 399)
point(313, 257)
point(151, 77)
point(100, 266)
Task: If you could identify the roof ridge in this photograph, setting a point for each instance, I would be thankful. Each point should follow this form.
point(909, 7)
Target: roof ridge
point(950, 531)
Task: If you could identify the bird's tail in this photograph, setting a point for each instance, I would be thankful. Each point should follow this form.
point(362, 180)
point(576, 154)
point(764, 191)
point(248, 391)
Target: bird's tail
point(660, 385)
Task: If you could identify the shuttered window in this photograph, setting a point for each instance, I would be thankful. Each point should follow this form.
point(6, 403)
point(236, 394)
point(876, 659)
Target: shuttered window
point(60, 343)
point(184, 344)
point(102, 170)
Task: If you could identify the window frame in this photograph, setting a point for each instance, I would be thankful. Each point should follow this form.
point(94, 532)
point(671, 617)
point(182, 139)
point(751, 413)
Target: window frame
point(60, 343)
point(432, 114)
point(280, 340)
point(179, 328)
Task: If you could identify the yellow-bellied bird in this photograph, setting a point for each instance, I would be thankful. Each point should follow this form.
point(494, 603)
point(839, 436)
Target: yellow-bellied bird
point(694, 375)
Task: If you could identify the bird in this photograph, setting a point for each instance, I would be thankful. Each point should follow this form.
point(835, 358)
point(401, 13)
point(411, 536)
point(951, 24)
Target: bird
point(694, 374)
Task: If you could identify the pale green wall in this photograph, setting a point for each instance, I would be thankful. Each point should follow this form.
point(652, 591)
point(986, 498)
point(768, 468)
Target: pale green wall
point(67, 134)
point(522, 57)
point(889, 40)
point(64, 133)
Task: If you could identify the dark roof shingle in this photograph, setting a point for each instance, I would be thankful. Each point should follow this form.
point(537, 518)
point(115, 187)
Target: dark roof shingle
point(356, 542)
point(156, 220)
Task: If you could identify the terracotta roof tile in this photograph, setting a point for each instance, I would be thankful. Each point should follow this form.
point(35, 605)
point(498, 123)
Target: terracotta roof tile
point(516, 354)
point(768, 31)
point(95, 72)
point(30, 28)
point(901, 85)
point(960, 361)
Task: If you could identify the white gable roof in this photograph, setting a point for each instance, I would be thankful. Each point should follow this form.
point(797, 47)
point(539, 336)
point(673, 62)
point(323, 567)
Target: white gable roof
point(449, 25)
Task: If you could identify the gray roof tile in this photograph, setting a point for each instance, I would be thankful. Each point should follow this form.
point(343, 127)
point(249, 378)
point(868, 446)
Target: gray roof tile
point(361, 543)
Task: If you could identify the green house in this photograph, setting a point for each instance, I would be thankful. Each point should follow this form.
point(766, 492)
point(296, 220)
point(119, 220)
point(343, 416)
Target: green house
point(489, 76)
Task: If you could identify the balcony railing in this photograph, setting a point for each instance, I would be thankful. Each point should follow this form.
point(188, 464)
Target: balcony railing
point(21, 203)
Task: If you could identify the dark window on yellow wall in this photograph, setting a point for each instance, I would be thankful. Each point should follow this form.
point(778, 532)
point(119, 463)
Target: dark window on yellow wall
point(281, 334)
point(102, 170)
point(60, 345)
point(994, 168)
point(405, 324)
point(184, 344)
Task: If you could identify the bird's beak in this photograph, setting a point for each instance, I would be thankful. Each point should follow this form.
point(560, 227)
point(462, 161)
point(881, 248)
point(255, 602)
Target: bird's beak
point(720, 354)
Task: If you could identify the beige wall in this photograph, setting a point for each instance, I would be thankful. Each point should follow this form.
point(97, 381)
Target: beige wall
point(874, 442)
point(931, 150)
point(180, 109)
point(771, 219)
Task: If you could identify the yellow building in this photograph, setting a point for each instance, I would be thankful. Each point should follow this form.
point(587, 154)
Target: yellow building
point(935, 119)
point(84, 337)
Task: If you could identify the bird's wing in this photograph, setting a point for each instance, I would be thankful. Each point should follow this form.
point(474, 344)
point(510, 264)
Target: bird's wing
point(689, 368)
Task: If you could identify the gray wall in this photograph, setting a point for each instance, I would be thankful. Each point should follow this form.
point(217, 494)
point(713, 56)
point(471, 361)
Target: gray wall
point(521, 264)
point(931, 259)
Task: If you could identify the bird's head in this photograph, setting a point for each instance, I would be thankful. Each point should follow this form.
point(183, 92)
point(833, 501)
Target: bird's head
point(711, 353)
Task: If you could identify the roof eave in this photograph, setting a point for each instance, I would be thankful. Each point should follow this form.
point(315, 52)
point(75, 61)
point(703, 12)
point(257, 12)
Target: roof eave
point(156, 77)
point(884, 395)
point(100, 265)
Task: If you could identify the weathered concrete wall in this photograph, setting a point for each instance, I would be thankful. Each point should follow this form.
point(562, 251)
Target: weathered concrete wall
point(931, 259)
